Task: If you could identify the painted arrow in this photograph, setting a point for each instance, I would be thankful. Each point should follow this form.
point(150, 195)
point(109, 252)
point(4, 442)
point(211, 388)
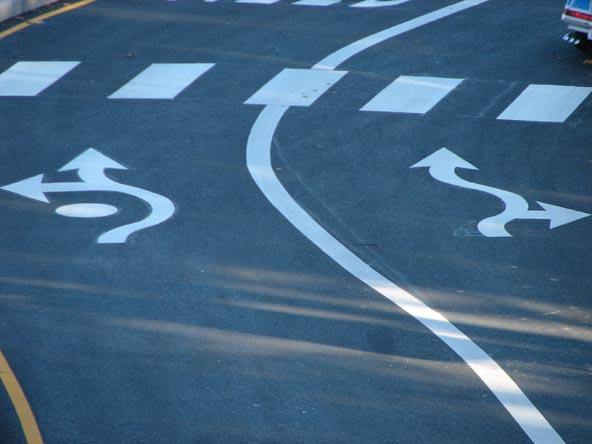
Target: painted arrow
point(91, 166)
point(442, 166)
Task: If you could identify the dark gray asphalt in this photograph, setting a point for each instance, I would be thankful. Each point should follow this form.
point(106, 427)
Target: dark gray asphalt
point(224, 324)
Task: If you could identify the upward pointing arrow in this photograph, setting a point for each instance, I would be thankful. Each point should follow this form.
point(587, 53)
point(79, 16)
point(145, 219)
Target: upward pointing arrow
point(91, 164)
point(444, 159)
point(442, 165)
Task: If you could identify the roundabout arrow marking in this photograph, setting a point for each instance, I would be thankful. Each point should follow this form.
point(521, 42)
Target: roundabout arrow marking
point(259, 144)
point(442, 166)
point(91, 166)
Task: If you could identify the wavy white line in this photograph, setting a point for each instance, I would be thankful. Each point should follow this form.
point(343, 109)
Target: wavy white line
point(259, 164)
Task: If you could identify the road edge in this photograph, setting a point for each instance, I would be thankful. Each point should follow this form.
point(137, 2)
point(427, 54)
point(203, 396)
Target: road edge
point(12, 8)
point(36, 20)
point(20, 403)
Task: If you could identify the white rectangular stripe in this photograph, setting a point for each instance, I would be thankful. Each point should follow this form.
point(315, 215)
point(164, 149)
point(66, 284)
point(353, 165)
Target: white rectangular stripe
point(546, 103)
point(410, 94)
point(161, 81)
point(30, 78)
point(377, 3)
point(296, 87)
point(316, 2)
point(258, 2)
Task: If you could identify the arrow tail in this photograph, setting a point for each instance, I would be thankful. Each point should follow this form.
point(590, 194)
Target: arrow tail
point(161, 210)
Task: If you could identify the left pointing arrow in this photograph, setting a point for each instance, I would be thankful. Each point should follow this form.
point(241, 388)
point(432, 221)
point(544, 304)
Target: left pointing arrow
point(35, 188)
point(91, 166)
point(31, 188)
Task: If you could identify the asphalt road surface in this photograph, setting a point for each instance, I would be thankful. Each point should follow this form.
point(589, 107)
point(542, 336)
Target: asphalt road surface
point(283, 236)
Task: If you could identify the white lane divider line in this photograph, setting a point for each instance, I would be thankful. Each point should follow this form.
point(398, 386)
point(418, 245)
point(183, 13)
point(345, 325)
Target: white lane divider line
point(316, 2)
point(295, 87)
point(546, 103)
point(161, 81)
point(30, 78)
point(526, 415)
point(338, 57)
point(410, 94)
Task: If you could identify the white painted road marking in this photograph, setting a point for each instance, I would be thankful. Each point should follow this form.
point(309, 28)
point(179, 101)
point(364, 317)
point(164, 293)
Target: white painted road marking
point(378, 3)
point(409, 94)
point(442, 166)
point(86, 210)
point(296, 87)
point(30, 78)
point(301, 87)
point(316, 2)
point(161, 81)
point(91, 166)
point(258, 2)
point(335, 59)
point(260, 167)
point(546, 103)
point(363, 4)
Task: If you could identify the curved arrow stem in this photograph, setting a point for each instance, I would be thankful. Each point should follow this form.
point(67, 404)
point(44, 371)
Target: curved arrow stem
point(161, 210)
point(516, 205)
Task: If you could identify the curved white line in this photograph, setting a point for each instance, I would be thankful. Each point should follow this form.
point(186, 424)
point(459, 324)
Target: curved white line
point(259, 164)
point(515, 205)
point(161, 209)
point(335, 59)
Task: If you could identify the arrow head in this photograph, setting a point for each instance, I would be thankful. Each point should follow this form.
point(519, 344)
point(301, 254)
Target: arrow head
point(31, 188)
point(444, 158)
point(561, 216)
point(92, 159)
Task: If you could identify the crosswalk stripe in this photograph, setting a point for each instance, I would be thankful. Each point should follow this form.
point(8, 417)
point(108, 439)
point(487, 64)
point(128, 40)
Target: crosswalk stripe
point(30, 78)
point(411, 94)
point(546, 103)
point(378, 3)
point(316, 2)
point(302, 87)
point(259, 2)
point(161, 81)
point(296, 87)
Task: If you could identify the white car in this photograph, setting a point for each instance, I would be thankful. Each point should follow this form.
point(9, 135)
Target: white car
point(578, 16)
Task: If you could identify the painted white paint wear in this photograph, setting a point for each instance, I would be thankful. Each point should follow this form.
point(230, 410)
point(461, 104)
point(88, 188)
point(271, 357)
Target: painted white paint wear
point(546, 103)
point(161, 81)
point(30, 78)
point(410, 94)
point(296, 87)
point(316, 2)
point(259, 164)
point(442, 166)
point(91, 166)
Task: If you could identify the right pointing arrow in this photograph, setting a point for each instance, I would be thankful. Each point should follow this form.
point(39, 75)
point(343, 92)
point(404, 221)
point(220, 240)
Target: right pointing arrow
point(442, 166)
point(560, 216)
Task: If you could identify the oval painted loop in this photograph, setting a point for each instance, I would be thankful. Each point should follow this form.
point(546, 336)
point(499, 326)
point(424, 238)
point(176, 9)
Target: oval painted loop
point(87, 210)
